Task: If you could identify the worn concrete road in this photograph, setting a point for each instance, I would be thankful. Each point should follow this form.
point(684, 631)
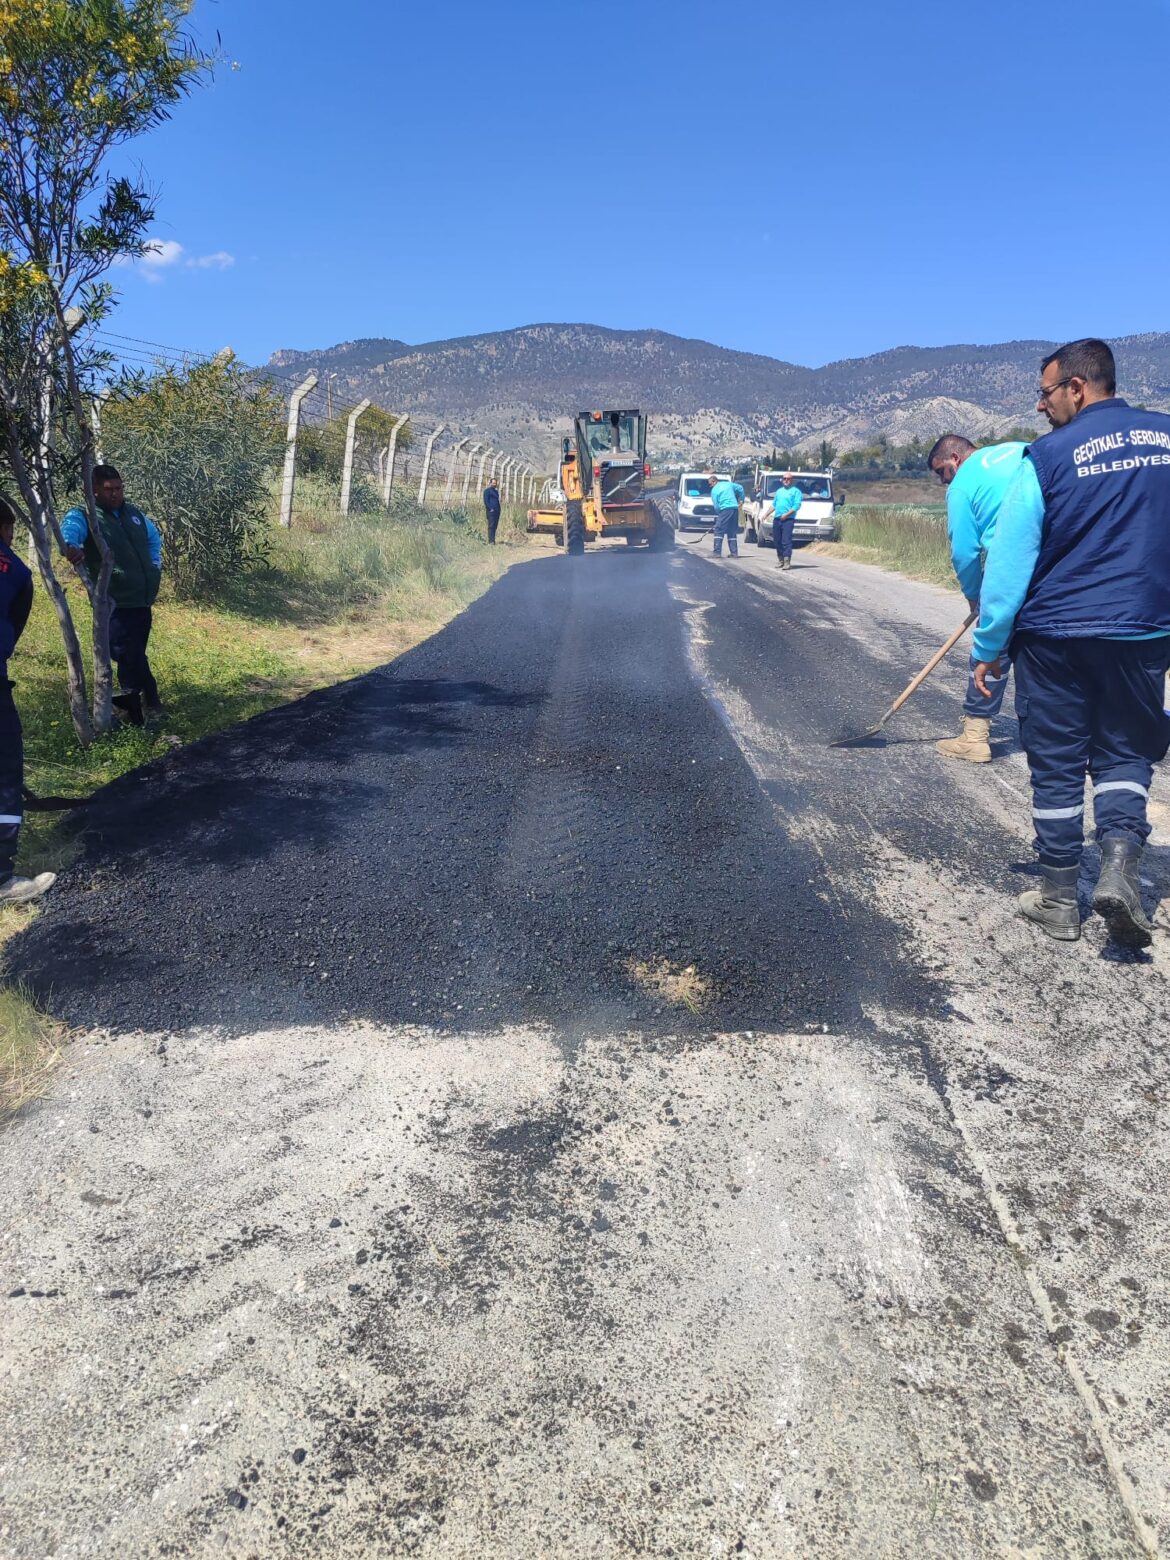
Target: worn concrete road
point(540, 1100)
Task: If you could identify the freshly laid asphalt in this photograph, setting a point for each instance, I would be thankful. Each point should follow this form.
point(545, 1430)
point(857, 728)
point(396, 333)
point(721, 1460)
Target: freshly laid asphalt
point(541, 1098)
point(494, 829)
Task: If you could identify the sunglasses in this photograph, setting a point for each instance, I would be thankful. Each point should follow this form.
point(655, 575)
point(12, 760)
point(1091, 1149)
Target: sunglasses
point(1045, 391)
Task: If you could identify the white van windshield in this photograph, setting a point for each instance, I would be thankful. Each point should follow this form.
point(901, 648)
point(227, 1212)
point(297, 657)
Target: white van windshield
point(696, 487)
point(810, 487)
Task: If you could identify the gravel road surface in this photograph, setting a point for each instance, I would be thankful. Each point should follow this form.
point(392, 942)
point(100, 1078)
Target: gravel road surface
point(539, 1099)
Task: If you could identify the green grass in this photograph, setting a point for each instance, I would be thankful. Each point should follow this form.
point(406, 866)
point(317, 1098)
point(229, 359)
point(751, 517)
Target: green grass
point(909, 539)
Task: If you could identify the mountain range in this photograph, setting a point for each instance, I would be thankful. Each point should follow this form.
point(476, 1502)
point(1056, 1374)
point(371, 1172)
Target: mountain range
point(521, 388)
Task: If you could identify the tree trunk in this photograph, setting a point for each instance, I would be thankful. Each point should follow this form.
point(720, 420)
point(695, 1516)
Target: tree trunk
point(103, 677)
point(35, 519)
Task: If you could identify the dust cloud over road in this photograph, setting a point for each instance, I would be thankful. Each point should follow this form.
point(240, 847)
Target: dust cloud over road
point(539, 1099)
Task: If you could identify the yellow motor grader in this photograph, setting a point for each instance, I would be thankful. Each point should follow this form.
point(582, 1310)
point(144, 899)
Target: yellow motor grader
point(602, 478)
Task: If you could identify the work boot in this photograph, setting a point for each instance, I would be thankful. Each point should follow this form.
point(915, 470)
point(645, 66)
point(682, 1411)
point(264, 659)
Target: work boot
point(128, 709)
point(1054, 906)
point(18, 890)
point(974, 745)
point(1118, 895)
point(788, 563)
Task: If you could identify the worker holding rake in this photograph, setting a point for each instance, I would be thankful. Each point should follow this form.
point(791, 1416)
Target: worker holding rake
point(1078, 583)
point(976, 482)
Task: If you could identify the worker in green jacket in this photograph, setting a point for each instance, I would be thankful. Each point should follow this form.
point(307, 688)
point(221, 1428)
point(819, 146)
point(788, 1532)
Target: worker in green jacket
point(137, 547)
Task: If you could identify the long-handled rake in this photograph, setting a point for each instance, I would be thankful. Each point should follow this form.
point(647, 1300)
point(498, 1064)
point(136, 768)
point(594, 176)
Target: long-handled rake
point(911, 687)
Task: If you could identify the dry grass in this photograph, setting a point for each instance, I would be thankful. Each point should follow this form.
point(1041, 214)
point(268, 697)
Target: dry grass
point(30, 1048)
point(912, 541)
point(671, 982)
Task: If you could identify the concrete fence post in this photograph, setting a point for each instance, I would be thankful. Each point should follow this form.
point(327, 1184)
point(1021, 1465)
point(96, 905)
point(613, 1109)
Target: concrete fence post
point(451, 472)
point(482, 464)
point(506, 478)
point(426, 467)
point(497, 457)
point(98, 402)
point(350, 441)
point(472, 451)
point(388, 477)
point(288, 482)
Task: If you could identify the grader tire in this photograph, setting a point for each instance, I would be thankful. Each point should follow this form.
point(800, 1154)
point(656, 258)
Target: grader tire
point(574, 530)
point(662, 536)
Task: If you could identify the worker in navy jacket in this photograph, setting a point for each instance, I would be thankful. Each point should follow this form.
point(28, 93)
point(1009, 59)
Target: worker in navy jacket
point(1078, 582)
point(16, 594)
point(491, 508)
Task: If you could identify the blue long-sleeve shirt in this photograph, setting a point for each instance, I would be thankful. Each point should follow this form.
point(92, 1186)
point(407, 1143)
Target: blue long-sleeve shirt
point(974, 499)
point(75, 529)
point(726, 494)
point(1010, 563)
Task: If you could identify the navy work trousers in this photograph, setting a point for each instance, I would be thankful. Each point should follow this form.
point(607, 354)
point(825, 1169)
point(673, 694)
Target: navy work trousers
point(782, 532)
point(975, 703)
point(726, 524)
point(129, 634)
point(1095, 707)
point(11, 777)
point(493, 520)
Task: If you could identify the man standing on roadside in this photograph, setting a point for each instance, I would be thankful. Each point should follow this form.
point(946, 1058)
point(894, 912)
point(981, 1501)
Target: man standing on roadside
point(976, 482)
point(1078, 582)
point(16, 595)
point(491, 508)
point(137, 547)
point(727, 496)
point(785, 502)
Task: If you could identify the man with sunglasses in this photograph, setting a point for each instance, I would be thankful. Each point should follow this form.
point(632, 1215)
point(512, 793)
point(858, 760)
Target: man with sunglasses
point(1078, 583)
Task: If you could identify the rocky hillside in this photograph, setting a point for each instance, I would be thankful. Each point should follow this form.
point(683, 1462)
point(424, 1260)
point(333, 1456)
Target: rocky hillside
point(521, 386)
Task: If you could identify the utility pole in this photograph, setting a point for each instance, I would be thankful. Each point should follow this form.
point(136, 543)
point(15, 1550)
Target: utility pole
point(290, 448)
point(388, 479)
point(451, 472)
point(347, 467)
point(426, 470)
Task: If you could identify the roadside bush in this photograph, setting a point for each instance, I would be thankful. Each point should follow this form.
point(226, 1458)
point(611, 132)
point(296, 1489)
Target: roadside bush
point(196, 447)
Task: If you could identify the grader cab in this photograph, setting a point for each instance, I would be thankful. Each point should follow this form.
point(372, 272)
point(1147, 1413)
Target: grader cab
point(603, 473)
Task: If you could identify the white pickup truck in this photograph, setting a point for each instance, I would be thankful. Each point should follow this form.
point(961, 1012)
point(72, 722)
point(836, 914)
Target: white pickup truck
point(816, 519)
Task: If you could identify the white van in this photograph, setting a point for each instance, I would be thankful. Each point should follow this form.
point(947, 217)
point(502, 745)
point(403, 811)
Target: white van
point(816, 519)
point(695, 510)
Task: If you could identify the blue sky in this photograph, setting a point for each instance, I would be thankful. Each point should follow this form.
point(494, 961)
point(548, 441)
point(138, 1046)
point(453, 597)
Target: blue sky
point(810, 182)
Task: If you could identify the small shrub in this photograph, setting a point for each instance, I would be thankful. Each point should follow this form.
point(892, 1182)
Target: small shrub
point(195, 446)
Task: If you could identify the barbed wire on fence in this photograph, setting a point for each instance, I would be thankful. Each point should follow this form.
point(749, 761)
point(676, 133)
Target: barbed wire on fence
point(435, 462)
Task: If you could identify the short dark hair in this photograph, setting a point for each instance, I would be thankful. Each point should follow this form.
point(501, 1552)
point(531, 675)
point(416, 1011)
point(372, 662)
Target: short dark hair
point(106, 474)
point(1090, 359)
point(7, 513)
point(949, 447)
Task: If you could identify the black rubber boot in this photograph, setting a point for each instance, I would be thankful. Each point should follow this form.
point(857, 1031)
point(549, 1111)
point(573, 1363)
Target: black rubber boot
point(1118, 894)
point(1054, 906)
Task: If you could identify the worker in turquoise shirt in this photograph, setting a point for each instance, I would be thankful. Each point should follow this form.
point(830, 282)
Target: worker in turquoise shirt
point(1078, 584)
point(785, 502)
point(727, 496)
point(976, 481)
